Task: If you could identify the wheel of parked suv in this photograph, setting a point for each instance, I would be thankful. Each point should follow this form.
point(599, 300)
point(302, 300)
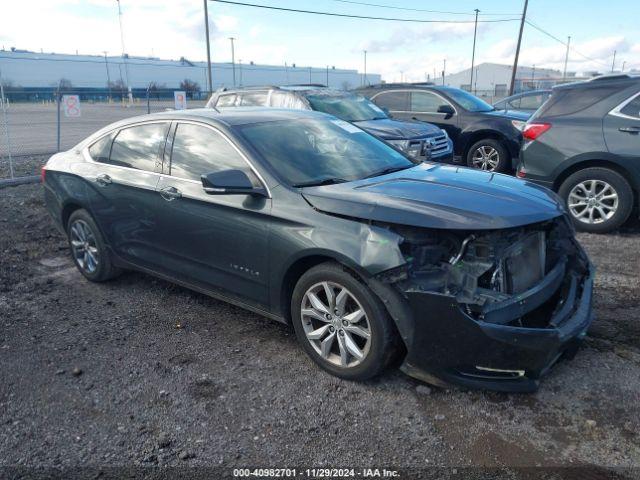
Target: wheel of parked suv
point(88, 249)
point(490, 155)
point(598, 199)
point(341, 324)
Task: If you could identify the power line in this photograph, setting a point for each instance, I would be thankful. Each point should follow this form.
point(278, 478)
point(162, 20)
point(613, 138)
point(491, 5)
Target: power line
point(363, 17)
point(379, 5)
point(566, 44)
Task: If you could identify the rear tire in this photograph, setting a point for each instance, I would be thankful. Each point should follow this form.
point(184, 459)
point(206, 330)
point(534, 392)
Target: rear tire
point(489, 155)
point(332, 332)
point(598, 199)
point(88, 249)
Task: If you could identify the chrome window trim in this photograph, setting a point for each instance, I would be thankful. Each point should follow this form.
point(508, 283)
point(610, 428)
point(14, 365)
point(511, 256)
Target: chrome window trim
point(87, 156)
point(411, 90)
point(233, 145)
point(617, 113)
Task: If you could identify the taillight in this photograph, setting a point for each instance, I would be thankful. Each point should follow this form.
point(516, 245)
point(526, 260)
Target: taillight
point(533, 130)
point(43, 173)
point(522, 172)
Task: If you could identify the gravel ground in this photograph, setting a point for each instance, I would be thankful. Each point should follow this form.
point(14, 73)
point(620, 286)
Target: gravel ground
point(138, 372)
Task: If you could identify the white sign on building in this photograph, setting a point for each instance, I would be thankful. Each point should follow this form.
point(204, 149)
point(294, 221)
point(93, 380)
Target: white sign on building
point(71, 104)
point(180, 100)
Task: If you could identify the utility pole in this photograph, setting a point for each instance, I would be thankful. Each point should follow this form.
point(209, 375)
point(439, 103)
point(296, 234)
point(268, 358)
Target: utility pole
point(566, 59)
point(106, 66)
point(206, 32)
point(613, 64)
point(623, 64)
point(473, 54)
point(533, 77)
point(124, 55)
point(444, 69)
point(233, 60)
point(240, 71)
point(515, 61)
point(364, 79)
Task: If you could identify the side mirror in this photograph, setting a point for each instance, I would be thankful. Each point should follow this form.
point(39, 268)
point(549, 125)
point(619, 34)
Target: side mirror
point(385, 110)
point(230, 182)
point(446, 109)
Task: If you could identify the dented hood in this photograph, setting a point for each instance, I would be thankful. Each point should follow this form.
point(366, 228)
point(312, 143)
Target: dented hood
point(439, 196)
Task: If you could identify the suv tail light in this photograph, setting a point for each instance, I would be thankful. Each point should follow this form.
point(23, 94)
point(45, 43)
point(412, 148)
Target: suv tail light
point(43, 173)
point(533, 130)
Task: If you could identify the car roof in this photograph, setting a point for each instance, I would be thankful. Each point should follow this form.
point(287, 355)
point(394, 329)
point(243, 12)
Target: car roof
point(623, 79)
point(234, 116)
point(304, 89)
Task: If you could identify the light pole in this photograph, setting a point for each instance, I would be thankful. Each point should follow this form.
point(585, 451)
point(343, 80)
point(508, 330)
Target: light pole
point(444, 69)
point(473, 54)
point(566, 59)
point(124, 55)
point(613, 64)
point(623, 64)
point(233, 60)
point(106, 66)
point(515, 61)
point(327, 82)
point(364, 79)
point(206, 32)
point(240, 71)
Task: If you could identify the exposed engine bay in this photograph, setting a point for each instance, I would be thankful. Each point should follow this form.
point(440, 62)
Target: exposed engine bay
point(500, 276)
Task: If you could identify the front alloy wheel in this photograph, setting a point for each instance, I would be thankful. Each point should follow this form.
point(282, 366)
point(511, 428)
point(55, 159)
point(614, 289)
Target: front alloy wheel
point(486, 158)
point(335, 324)
point(341, 324)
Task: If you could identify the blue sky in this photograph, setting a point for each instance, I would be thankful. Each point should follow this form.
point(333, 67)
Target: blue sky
point(174, 29)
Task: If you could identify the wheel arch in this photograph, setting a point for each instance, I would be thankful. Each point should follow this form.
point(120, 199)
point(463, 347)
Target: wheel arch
point(600, 163)
point(67, 210)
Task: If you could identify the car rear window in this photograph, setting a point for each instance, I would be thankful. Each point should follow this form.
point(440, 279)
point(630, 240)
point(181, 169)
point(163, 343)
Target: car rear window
point(566, 101)
point(139, 147)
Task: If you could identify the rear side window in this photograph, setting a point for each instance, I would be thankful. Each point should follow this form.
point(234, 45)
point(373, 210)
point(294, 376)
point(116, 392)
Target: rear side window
point(139, 147)
point(254, 99)
point(632, 108)
point(226, 100)
point(198, 150)
point(393, 101)
point(572, 100)
point(100, 150)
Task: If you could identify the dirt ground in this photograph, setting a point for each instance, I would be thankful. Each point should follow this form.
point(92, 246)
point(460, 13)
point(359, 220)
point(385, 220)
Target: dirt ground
point(138, 372)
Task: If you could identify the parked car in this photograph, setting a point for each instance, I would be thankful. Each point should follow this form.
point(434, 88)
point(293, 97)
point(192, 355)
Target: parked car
point(584, 143)
point(417, 139)
point(475, 278)
point(526, 102)
point(482, 137)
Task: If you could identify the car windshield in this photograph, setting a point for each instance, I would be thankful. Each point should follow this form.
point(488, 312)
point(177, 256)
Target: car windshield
point(468, 101)
point(351, 108)
point(307, 152)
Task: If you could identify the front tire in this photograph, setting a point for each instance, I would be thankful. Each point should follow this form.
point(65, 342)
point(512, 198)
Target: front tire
point(88, 249)
point(599, 200)
point(490, 155)
point(341, 324)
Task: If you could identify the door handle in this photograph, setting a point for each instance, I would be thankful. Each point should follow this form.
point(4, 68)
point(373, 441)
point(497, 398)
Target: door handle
point(170, 193)
point(103, 180)
point(635, 130)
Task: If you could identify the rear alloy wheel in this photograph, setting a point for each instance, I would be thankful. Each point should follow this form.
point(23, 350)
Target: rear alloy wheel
point(489, 155)
point(598, 199)
point(341, 324)
point(88, 248)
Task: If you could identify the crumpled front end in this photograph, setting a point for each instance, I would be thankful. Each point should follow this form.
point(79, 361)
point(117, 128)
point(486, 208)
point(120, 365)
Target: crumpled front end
point(489, 309)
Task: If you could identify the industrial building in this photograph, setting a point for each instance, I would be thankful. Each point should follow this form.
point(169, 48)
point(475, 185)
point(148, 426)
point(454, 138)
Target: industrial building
point(493, 79)
point(27, 71)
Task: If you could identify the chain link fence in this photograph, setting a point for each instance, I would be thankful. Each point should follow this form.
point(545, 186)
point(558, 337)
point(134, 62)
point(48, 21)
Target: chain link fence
point(35, 124)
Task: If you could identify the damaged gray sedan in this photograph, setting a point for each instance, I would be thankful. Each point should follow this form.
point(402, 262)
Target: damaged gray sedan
point(473, 278)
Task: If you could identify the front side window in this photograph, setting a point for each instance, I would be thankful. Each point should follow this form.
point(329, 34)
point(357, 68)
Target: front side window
point(139, 147)
point(425, 102)
point(351, 108)
point(393, 101)
point(198, 150)
point(316, 151)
